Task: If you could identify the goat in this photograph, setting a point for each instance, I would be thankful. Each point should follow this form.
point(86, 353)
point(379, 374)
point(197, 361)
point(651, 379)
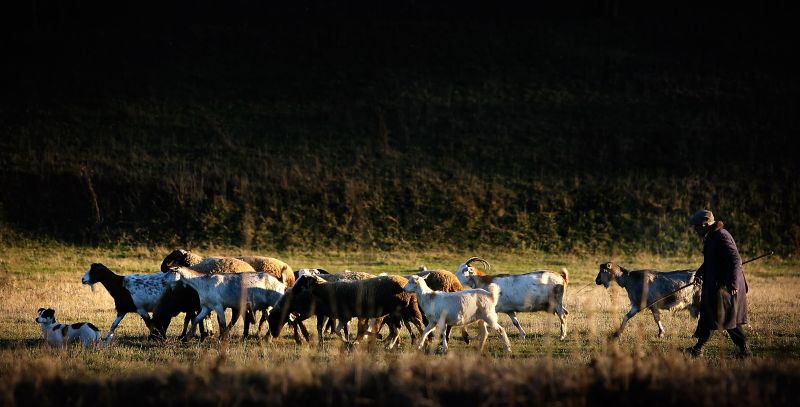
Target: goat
point(441, 280)
point(137, 293)
point(645, 286)
point(253, 291)
point(60, 335)
point(456, 309)
point(541, 290)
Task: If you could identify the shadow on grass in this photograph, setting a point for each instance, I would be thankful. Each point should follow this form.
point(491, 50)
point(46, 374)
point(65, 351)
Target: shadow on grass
point(20, 343)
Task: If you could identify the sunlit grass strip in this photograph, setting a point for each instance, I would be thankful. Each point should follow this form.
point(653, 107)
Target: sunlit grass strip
point(413, 379)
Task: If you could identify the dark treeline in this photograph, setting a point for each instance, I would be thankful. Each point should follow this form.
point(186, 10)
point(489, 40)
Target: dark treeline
point(582, 126)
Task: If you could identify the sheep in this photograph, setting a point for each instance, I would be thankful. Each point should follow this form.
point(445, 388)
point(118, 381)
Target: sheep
point(540, 290)
point(180, 257)
point(58, 335)
point(343, 300)
point(645, 286)
point(456, 309)
point(179, 298)
point(410, 314)
point(346, 275)
point(132, 293)
point(255, 291)
point(439, 280)
point(277, 268)
point(183, 299)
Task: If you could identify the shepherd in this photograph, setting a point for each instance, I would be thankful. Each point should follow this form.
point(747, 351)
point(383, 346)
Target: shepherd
point(723, 302)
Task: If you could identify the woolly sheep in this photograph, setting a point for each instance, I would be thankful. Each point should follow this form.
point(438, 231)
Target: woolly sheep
point(277, 268)
point(281, 271)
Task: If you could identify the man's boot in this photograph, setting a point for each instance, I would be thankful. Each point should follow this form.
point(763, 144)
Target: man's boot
point(744, 352)
point(693, 351)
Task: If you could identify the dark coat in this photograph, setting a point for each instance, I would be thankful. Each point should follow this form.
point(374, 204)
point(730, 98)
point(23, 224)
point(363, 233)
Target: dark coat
point(721, 271)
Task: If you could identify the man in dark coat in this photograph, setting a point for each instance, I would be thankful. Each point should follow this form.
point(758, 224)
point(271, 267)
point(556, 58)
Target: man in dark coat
point(723, 304)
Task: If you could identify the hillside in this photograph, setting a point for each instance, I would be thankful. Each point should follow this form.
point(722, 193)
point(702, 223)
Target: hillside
point(577, 134)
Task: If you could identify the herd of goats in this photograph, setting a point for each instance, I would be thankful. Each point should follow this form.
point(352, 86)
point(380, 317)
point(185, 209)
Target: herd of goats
point(425, 300)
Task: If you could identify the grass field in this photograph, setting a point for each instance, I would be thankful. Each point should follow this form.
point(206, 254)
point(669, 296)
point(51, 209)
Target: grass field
point(379, 144)
point(584, 369)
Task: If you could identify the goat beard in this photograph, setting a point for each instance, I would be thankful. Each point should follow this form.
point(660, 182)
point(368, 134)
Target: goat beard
point(92, 287)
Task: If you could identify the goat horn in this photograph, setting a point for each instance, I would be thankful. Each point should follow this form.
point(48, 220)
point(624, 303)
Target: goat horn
point(471, 259)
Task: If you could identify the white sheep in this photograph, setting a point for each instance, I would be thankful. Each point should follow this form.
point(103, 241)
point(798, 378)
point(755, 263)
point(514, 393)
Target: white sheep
point(541, 290)
point(60, 335)
point(137, 293)
point(457, 308)
point(253, 291)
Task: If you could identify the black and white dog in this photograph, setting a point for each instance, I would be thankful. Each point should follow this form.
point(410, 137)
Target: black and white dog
point(60, 335)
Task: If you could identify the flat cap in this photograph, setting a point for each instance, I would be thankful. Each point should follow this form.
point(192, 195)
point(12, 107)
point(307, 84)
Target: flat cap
point(702, 217)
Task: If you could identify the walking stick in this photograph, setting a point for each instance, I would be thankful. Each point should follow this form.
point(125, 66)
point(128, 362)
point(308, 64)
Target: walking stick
point(770, 253)
point(583, 288)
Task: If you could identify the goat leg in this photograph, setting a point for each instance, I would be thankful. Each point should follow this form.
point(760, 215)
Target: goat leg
point(303, 330)
point(114, 325)
point(628, 316)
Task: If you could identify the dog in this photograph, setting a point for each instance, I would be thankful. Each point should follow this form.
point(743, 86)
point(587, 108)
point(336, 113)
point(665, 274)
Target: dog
point(60, 335)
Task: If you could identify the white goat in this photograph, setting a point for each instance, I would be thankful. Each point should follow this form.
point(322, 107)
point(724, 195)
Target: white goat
point(457, 308)
point(257, 291)
point(137, 293)
point(541, 290)
point(60, 335)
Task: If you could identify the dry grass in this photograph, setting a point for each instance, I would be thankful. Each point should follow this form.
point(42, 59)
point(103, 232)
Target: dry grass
point(542, 369)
